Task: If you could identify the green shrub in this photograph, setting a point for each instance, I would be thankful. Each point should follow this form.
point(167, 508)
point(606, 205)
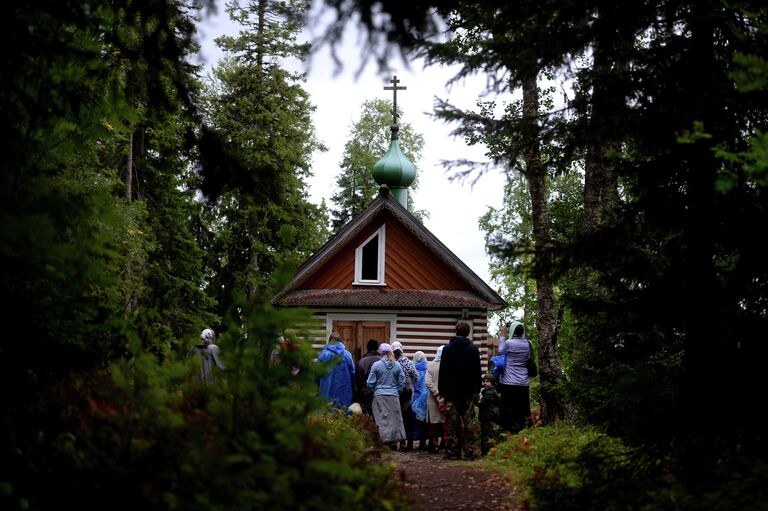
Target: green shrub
point(569, 468)
point(559, 467)
point(145, 434)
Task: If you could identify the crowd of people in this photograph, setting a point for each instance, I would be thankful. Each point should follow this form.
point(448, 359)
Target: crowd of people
point(446, 405)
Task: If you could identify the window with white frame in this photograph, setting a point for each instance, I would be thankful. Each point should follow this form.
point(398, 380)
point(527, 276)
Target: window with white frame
point(369, 259)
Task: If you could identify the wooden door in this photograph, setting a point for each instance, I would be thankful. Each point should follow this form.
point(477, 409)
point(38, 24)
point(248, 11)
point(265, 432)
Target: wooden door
point(348, 332)
point(378, 330)
point(356, 334)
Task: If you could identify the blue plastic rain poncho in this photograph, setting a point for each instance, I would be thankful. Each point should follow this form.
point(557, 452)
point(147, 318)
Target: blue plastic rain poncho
point(420, 392)
point(499, 362)
point(336, 385)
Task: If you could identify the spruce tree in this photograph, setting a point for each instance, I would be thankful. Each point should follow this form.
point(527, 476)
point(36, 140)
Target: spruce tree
point(258, 214)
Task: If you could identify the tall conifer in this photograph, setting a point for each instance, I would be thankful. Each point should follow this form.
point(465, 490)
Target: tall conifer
point(258, 211)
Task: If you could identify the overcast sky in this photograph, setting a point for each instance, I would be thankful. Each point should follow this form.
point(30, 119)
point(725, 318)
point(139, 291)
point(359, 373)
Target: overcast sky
point(454, 208)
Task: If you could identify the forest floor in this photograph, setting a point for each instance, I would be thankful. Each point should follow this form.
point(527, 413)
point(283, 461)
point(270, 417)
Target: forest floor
point(436, 484)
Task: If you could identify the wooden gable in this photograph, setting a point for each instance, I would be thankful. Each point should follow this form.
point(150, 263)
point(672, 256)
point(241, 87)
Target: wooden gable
point(409, 263)
point(418, 269)
point(412, 265)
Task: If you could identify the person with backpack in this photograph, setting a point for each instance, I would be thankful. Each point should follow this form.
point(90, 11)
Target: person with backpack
point(406, 395)
point(419, 401)
point(515, 380)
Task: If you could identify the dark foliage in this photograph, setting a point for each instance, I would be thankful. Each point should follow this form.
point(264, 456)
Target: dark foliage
point(219, 169)
point(670, 101)
point(103, 291)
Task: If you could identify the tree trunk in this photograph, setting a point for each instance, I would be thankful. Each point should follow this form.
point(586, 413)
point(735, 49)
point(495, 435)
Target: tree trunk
point(261, 10)
point(552, 407)
point(129, 170)
point(599, 186)
point(600, 181)
point(706, 410)
point(253, 257)
point(131, 305)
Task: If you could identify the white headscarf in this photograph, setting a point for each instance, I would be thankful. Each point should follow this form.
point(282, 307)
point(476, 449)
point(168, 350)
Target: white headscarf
point(207, 336)
point(512, 328)
point(419, 356)
point(439, 354)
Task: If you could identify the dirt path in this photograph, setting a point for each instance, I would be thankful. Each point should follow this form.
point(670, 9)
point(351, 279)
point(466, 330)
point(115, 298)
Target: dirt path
point(437, 484)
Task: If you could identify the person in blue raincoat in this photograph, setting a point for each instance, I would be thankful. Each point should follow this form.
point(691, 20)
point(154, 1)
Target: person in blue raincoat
point(336, 384)
point(419, 402)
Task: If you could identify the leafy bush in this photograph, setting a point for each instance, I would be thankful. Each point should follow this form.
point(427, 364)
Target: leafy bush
point(146, 434)
point(548, 462)
point(569, 468)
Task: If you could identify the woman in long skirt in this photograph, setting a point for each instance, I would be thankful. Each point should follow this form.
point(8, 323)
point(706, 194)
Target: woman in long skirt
point(386, 381)
point(435, 417)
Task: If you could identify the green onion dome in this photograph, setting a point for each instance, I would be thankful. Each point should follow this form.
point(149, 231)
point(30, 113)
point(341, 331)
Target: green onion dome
point(394, 169)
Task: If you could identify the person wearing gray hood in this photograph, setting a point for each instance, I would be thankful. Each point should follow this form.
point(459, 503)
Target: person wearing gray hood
point(209, 356)
point(515, 381)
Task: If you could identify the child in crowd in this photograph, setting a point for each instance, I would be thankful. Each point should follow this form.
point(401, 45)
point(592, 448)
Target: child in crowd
point(490, 414)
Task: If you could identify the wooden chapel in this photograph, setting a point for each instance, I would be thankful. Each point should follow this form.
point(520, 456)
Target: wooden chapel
point(385, 276)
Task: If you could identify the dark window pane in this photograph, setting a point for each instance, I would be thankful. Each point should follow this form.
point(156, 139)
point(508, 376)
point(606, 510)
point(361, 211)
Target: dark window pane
point(370, 267)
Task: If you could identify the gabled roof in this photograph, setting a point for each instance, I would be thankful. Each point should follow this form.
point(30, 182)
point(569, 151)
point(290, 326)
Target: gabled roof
point(477, 294)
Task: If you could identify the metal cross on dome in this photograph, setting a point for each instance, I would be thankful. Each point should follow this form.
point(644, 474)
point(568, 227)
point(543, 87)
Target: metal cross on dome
point(394, 88)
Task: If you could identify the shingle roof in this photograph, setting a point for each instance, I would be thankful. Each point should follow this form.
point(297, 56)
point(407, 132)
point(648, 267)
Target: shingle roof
point(382, 297)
